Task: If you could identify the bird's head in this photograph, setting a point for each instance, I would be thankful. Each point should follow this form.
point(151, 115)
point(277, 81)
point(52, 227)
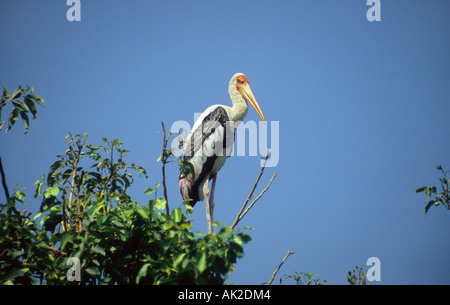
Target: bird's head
point(242, 86)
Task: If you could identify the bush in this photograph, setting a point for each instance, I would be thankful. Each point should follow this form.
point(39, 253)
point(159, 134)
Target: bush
point(86, 213)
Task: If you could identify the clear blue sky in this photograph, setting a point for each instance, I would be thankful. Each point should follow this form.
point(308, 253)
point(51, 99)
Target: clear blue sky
point(363, 109)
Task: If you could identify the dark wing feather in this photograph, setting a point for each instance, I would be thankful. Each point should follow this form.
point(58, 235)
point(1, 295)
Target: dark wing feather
point(216, 118)
point(189, 185)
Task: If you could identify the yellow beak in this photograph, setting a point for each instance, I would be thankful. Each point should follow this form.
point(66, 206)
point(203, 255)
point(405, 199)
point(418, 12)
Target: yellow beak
point(249, 97)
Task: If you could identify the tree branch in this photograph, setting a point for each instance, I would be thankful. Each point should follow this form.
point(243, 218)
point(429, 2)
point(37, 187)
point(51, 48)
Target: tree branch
point(163, 166)
point(279, 266)
point(243, 210)
point(76, 158)
point(257, 197)
point(5, 186)
point(54, 249)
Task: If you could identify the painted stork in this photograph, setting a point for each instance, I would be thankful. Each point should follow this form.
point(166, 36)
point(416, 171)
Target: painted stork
point(210, 143)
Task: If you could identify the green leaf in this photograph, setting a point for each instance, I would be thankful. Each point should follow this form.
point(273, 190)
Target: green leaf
point(99, 250)
point(143, 212)
point(65, 238)
point(20, 105)
point(149, 191)
point(248, 228)
point(237, 240)
point(160, 203)
point(19, 195)
point(15, 273)
point(421, 189)
point(12, 118)
point(17, 93)
point(142, 272)
point(39, 180)
point(177, 215)
point(428, 206)
point(225, 233)
point(179, 260)
point(201, 264)
point(244, 237)
point(37, 98)
point(26, 122)
point(92, 210)
point(31, 106)
point(38, 214)
point(102, 219)
point(5, 95)
point(13, 253)
point(51, 220)
point(93, 271)
point(51, 191)
point(189, 209)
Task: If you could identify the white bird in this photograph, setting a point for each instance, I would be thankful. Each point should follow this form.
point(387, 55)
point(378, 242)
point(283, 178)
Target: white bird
point(210, 143)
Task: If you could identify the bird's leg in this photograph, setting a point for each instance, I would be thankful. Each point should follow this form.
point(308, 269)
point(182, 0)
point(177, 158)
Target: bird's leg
point(211, 197)
point(207, 206)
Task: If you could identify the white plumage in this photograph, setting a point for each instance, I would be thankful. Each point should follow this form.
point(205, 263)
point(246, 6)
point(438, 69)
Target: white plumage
point(210, 143)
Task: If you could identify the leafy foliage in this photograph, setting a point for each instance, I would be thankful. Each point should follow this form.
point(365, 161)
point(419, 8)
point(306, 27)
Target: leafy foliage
point(433, 197)
point(303, 278)
point(19, 252)
point(24, 102)
point(87, 213)
point(357, 276)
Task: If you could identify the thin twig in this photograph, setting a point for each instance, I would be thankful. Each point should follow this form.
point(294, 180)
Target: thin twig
point(53, 249)
point(244, 211)
point(279, 266)
point(66, 222)
point(5, 188)
point(163, 162)
point(256, 199)
point(74, 174)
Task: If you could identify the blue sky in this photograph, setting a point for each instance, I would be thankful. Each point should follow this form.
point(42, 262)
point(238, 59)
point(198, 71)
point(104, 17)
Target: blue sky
point(363, 110)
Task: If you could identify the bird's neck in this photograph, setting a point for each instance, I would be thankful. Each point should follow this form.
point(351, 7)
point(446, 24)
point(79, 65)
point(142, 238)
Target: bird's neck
point(240, 107)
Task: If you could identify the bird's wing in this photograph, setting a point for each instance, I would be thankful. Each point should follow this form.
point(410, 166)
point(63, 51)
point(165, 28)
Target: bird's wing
point(210, 130)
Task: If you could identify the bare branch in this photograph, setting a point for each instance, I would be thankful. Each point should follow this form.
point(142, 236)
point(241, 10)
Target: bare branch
point(164, 157)
point(256, 199)
point(279, 266)
point(243, 210)
point(5, 186)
